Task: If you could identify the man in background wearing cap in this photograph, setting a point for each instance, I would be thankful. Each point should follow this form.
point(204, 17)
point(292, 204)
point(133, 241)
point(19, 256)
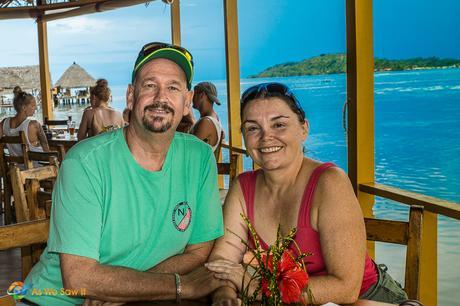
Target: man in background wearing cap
point(208, 127)
point(136, 210)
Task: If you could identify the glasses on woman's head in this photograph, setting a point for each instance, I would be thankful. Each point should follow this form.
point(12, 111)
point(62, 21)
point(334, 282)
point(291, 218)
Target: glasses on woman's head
point(273, 89)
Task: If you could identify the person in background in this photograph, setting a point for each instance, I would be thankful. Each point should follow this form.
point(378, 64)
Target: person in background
point(25, 105)
point(292, 190)
point(208, 128)
point(100, 117)
point(186, 123)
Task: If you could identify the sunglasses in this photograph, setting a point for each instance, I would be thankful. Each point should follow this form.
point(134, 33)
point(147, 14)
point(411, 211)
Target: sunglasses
point(154, 46)
point(270, 89)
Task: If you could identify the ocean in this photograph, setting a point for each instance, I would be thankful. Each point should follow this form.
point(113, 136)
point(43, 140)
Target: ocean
point(417, 146)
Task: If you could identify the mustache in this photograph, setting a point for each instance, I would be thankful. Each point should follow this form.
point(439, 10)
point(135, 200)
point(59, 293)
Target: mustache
point(159, 106)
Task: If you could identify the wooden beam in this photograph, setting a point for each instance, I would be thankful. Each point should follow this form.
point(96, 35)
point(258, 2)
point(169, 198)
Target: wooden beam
point(360, 98)
point(175, 23)
point(432, 204)
point(45, 80)
point(91, 7)
point(233, 76)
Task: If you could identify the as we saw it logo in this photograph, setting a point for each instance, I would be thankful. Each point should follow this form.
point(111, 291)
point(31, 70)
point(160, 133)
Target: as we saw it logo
point(182, 216)
point(18, 290)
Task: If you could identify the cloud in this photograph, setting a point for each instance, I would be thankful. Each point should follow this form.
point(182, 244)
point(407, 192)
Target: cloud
point(80, 25)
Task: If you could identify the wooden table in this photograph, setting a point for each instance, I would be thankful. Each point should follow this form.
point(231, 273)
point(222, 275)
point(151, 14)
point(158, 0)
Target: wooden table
point(66, 141)
point(202, 303)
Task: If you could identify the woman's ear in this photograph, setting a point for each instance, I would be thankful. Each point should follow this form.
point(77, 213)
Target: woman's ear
point(306, 128)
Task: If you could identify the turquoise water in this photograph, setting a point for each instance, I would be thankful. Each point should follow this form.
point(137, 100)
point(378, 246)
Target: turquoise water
point(417, 146)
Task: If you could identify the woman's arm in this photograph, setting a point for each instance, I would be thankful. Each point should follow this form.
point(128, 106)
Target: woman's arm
point(42, 137)
point(229, 247)
point(337, 217)
point(84, 124)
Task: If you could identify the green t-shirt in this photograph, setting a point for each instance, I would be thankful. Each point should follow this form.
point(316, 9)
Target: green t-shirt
point(107, 207)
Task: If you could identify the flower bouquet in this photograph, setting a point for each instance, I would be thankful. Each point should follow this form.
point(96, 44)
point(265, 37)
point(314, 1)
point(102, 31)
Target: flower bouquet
point(279, 275)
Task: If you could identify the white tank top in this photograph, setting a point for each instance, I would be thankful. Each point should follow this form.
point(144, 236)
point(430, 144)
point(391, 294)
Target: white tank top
point(218, 127)
point(16, 149)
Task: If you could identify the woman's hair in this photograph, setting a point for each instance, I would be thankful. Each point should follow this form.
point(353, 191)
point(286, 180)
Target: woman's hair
point(101, 91)
point(16, 90)
point(21, 98)
point(273, 90)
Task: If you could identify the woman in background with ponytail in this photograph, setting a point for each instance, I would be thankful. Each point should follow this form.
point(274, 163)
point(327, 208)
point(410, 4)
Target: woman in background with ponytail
point(25, 105)
point(100, 117)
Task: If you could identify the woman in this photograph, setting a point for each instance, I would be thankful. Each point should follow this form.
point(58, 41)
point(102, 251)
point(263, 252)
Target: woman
point(292, 190)
point(25, 106)
point(100, 117)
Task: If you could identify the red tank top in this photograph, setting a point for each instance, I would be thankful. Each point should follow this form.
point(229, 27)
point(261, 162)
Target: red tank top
point(306, 237)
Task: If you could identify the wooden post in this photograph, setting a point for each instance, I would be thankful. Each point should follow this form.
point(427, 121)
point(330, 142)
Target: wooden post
point(429, 260)
point(175, 23)
point(45, 80)
point(233, 76)
point(360, 100)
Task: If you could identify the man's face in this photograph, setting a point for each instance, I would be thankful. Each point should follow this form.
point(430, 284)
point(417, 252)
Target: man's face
point(159, 97)
point(197, 96)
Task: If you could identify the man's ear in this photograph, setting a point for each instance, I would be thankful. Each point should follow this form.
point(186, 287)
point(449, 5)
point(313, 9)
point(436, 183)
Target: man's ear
point(188, 102)
point(130, 97)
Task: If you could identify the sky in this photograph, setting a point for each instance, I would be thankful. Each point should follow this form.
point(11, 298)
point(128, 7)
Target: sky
point(270, 32)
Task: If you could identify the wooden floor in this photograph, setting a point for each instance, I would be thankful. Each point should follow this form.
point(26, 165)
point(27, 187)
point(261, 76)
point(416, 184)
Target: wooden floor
point(10, 266)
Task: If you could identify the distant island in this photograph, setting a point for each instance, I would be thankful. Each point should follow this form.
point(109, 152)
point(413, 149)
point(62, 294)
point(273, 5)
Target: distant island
point(336, 63)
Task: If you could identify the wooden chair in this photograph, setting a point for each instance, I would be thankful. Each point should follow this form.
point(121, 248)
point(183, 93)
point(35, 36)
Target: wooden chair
point(404, 233)
point(229, 169)
point(31, 203)
point(22, 235)
point(50, 157)
point(219, 146)
point(6, 159)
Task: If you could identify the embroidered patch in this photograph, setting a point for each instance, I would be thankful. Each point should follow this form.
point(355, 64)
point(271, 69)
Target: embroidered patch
point(182, 216)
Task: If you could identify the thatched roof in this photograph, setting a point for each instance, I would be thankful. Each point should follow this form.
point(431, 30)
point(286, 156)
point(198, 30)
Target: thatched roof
point(75, 77)
point(28, 77)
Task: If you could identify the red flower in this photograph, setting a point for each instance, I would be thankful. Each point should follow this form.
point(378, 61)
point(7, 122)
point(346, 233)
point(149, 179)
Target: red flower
point(265, 289)
point(291, 278)
point(291, 283)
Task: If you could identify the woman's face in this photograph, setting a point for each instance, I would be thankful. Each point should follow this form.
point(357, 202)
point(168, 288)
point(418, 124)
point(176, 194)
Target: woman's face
point(30, 108)
point(272, 133)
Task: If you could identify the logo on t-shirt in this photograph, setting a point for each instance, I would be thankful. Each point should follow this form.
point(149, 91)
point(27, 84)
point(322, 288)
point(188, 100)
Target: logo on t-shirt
point(182, 216)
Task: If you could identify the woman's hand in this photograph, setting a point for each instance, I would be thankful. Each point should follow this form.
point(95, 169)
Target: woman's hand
point(228, 270)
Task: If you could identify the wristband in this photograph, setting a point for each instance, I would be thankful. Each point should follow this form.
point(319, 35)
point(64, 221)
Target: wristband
point(178, 288)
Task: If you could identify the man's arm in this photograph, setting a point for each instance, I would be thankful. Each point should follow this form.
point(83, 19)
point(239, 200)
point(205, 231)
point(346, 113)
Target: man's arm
point(120, 284)
point(204, 130)
point(194, 256)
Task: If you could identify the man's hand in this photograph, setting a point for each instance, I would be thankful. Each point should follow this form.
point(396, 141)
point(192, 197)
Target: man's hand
point(91, 302)
point(200, 282)
point(225, 296)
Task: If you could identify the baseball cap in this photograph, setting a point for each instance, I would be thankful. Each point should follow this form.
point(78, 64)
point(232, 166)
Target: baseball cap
point(181, 56)
point(209, 89)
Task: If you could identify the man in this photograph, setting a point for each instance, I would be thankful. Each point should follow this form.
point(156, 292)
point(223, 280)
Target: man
point(136, 210)
point(208, 127)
